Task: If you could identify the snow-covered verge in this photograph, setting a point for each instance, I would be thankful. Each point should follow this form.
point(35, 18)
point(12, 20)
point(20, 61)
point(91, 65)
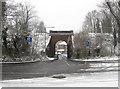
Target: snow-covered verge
point(102, 64)
point(100, 67)
point(103, 79)
point(50, 59)
point(25, 59)
point(108, 58)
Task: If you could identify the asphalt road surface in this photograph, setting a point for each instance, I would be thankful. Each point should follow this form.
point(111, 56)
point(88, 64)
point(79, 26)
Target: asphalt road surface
point(40, 69)
point(48, 68)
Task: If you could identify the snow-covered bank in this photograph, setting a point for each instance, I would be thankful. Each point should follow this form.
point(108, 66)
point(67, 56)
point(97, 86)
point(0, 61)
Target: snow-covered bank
point(100, 64)
point(108, 58)
point(103, 79)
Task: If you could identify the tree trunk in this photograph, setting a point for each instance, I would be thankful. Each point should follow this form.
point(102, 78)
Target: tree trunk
point(118, 22)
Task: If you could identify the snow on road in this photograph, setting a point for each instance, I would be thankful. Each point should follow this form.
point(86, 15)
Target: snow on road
point(100, 79)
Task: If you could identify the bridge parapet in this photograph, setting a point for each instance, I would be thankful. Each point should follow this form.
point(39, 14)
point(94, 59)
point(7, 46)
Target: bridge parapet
point(61, 32)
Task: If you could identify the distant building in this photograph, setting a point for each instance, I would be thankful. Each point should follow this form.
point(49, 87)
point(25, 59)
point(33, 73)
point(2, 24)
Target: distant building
point(61, 47)
point(107, 37)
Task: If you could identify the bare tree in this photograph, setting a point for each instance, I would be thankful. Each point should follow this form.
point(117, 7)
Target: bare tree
point(115, 6)
point(80, 44)
point(111, 10)
point(19, 17)
point(94, 22)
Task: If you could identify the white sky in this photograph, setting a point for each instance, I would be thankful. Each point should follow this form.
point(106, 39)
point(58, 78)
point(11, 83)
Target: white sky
point(64, 14)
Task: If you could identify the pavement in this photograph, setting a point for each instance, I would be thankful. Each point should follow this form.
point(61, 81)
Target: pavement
point(101, 79)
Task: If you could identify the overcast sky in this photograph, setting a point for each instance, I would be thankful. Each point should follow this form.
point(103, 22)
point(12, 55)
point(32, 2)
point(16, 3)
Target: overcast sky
point(64, 14)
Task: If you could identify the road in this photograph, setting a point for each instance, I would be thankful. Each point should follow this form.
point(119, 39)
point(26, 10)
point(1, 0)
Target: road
point(77, 74)
point(40, 69)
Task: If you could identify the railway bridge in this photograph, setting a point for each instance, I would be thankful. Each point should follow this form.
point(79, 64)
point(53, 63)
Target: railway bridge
point(60, 36)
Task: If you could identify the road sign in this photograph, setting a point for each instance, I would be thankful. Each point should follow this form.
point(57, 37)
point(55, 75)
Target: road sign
point(29, 39)
point(88, 43)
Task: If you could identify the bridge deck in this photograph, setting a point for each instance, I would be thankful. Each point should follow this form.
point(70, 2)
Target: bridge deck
point(61, 32)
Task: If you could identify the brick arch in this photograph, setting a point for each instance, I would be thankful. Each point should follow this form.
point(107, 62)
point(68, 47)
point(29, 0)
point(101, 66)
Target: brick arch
point(60, 36)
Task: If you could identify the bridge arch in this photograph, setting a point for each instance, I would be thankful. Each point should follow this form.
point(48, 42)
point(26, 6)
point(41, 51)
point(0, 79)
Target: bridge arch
point(61, 48)
point(60, 36)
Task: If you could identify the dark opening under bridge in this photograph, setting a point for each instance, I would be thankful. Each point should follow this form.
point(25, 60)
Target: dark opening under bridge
point(60, 36)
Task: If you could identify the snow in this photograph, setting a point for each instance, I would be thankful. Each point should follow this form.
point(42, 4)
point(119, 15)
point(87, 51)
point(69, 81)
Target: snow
point(105, 65)
point(49, 58)
point(103, 79)
point(62, 43)
point(103, 34)
point(57, 29)
point(112, 58)
point(102, 66)
point(60, 50)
